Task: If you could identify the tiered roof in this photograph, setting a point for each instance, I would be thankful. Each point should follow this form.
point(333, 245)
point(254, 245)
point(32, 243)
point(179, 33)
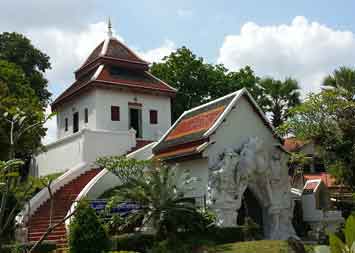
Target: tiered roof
point(113, 65)
point(189, 136)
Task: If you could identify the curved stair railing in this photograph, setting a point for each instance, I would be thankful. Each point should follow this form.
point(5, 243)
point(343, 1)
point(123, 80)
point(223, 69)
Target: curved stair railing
point(41, 197)
point(140, 154)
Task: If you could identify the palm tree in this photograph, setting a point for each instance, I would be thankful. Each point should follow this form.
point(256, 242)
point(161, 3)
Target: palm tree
point(156, 188)
point(279, 97)
point(343, 79)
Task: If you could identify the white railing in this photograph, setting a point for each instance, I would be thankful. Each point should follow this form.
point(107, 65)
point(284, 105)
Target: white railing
point(43, 195)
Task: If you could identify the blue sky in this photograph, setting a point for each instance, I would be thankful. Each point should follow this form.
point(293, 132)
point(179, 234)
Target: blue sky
point(202, 25)
point(302, 39)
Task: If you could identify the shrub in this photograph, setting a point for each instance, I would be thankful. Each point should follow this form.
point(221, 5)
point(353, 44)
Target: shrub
point(86, 232)
point(133, 242)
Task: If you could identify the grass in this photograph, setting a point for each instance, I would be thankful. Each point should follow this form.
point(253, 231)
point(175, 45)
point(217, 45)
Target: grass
point(263, 246)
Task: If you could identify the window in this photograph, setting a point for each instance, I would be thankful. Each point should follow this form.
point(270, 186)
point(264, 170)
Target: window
point(66, 124)
point(115, 113)
point(75, 122)
point(86, 115)
point(153, 115)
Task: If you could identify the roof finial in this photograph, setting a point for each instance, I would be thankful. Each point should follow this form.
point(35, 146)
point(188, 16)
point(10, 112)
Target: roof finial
point(109, 32)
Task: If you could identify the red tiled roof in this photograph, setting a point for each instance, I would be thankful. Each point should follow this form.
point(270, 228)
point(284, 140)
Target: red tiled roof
point(115, 49)
point(137, 79)
point(183, 150)
point(327, 179)
point(130, 77)
point(198, 123)
point(292, 144)
point(191, 127)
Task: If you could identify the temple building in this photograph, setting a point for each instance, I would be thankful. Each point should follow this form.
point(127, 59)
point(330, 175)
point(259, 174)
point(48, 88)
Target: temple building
point(114, 107)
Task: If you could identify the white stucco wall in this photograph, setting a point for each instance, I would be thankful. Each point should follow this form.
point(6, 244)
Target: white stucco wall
point(105, 98)
point(59, 156)
point(77, 104)
point(99, 102)
point(83, 147)
point(241, 123)
point(198, 168)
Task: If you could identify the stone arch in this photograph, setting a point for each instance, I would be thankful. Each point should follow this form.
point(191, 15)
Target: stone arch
point(251, 207)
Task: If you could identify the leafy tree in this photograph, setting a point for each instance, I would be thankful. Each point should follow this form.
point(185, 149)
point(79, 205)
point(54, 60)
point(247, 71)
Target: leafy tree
point(18, 98)
point(328, 119)
point(157, 189)
point(188, 73)
point(279, 97)
point(17, 49)
point(342, 78)
point(86, 232)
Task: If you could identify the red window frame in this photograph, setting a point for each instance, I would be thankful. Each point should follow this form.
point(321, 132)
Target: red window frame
point(115, 113)
point(153, 117)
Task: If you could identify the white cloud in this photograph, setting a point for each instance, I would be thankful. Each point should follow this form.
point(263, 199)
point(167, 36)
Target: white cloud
point(157, 54)
point(69, 49)
point(304, 50)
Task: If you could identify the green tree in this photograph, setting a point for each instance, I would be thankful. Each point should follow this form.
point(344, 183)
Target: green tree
point(278, 97)
point(198, 82)
point(157, 189)
point(187, 73)
point(18, 98)
point(328, 119)
point(17, 49)
point(87, 234)
point(342, 78)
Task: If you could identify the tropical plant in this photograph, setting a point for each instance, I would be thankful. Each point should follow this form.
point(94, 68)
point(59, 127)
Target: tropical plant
point(156, 188)
point(342, 78)
point(347, 246)
point(279, 97)
point(87, 234)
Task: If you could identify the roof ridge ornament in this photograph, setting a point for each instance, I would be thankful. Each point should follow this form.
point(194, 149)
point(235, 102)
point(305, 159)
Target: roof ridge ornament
point(109, 26)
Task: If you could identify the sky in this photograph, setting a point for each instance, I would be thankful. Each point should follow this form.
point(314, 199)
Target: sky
point(302, 39)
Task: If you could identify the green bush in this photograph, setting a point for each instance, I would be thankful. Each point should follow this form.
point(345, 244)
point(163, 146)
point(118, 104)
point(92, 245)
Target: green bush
point(133, 242)
point(44, 247)
point(86, 232)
